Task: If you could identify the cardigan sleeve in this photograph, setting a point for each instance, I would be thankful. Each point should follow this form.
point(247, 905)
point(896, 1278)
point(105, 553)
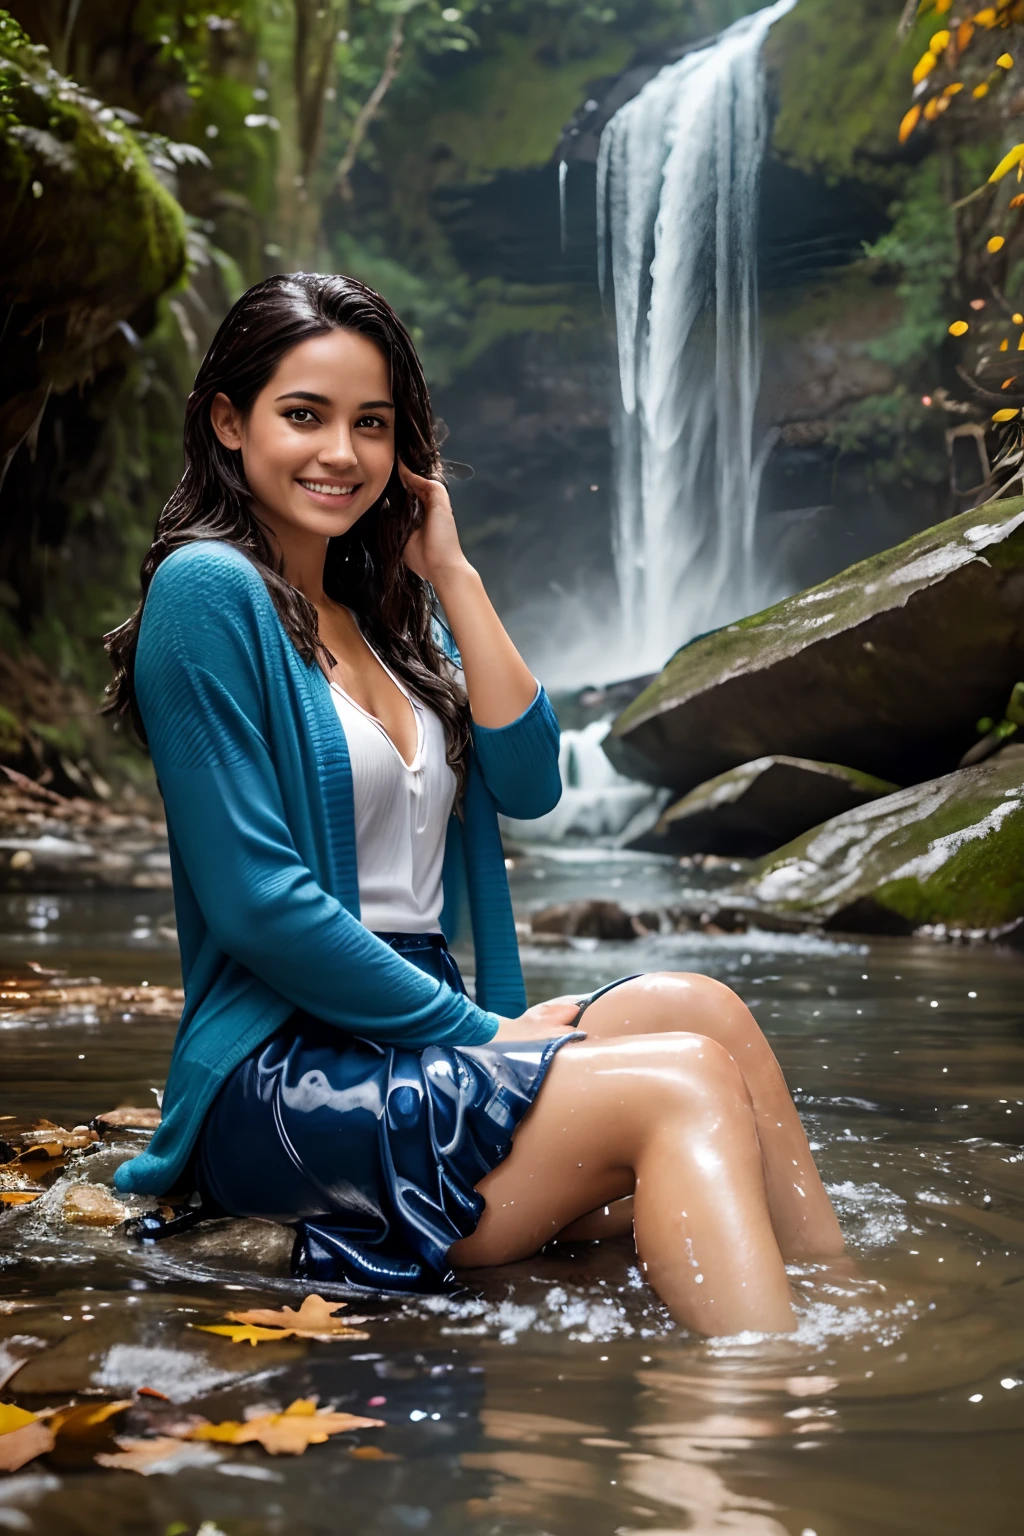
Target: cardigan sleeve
point(518, 761)
point(202, 699)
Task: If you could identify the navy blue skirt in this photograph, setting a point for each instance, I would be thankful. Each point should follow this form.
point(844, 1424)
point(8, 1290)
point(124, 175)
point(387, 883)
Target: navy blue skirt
point(371, 1151)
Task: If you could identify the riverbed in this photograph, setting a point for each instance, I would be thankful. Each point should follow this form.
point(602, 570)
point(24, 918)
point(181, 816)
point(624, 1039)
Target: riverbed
point(556, 1396)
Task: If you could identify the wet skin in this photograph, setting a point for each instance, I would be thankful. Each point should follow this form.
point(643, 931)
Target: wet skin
point(675, 1099)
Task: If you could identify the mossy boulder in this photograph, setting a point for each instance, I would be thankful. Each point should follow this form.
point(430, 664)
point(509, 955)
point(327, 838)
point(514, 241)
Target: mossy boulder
point(759, 806)
point(886, 667)
point(92, 236)
point(949, 852)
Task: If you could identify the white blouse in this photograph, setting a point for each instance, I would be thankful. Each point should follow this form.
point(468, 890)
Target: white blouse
point(401, 812)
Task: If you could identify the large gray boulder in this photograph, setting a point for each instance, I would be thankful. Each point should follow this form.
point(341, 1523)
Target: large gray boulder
point(886, 667)
point(759, 806)
point(948, 852)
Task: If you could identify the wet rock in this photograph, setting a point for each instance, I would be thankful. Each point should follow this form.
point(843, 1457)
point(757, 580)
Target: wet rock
point(752, 809)
point(588, 920)
point(90, 1205)
point(886, 667)
point(51, 842)
point(947, 854)
point(144, 1117)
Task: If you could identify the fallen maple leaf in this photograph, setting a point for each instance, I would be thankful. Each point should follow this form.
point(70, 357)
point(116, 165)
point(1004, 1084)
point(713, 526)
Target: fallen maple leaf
point(84, 1421)
point(244, 1333)
point(162, 1453)
point(315, 1319)
point(289, 1433)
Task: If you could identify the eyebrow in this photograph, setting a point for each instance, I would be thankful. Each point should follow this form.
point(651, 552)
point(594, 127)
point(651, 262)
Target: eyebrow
point(305, 394)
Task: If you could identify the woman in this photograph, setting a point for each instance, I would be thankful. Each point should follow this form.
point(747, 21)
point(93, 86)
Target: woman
point(332, 762)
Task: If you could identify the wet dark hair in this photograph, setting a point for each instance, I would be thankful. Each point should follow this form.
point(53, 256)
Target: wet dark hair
point(364, 568)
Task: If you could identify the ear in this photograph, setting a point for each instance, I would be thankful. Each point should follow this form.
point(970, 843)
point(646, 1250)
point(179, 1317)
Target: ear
point(226, 421)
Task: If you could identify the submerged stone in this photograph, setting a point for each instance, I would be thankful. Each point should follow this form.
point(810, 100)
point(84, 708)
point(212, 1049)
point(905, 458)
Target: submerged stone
point(90, 1205)
point(949, 853)
point(887, 666)
point(752, 809)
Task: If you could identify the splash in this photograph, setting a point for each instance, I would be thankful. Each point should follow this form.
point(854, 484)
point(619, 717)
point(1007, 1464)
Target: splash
point(679, 174)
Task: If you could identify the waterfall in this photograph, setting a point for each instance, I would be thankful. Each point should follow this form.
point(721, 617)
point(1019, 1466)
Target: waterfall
point(597, 804)
point(679, 171)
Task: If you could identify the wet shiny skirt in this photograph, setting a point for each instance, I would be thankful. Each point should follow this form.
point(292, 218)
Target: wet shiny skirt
point(372, 1152)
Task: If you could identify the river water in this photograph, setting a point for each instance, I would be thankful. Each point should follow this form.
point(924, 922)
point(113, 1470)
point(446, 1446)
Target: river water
point(556, 1396)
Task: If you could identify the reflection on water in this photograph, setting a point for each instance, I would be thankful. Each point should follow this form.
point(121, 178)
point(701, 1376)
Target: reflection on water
point(557, 1396)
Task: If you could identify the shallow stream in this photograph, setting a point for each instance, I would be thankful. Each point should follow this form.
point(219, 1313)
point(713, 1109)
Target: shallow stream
point(557, 1397)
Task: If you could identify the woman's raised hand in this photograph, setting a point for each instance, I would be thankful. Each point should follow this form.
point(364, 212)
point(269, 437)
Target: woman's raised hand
point(433, 550)
point(542, 1022)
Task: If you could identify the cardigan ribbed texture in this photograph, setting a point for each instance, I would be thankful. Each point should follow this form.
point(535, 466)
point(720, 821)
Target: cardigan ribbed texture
point(253, 768)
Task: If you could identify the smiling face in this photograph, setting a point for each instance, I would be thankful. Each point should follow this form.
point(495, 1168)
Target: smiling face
point(318, 445)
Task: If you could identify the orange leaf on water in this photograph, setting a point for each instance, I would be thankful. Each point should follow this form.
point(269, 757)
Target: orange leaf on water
point(161, 1453)
point(18, 1446)
point(315, 1319)
point(289, 1433)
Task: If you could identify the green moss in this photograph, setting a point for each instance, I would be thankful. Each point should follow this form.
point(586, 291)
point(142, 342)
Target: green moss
point(949, 851)
point(508, 111)
point(95, 228)
point(11, 736)
point(516, 315)
point(785, 628)
point(843, 85)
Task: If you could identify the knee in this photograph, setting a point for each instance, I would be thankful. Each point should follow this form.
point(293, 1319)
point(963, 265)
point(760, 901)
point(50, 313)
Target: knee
point(711, 1002)
point(701, 1076)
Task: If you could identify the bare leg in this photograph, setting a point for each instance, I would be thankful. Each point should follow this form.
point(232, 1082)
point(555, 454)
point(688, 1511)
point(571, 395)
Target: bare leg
point(802, 1216)
point(669, 1118)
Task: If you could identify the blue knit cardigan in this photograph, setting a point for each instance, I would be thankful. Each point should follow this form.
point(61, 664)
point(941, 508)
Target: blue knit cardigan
point(253, 767)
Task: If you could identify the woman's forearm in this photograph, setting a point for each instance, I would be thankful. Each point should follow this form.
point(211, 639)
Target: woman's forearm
point(499, 683)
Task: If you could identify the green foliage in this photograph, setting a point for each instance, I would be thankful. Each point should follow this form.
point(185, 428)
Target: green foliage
point(921, 247)
point(841, 81)
point(898, 433)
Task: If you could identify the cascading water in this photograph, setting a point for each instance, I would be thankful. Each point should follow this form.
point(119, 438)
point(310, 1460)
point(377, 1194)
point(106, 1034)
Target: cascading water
point(678, 181)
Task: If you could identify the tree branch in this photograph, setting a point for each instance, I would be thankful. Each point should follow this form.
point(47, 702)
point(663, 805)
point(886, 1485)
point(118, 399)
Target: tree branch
point(371, 106)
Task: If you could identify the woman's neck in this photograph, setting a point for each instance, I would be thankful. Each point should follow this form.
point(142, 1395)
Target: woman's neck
point(303, 555)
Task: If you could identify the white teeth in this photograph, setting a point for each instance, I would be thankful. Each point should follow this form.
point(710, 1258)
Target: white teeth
point(328, 490)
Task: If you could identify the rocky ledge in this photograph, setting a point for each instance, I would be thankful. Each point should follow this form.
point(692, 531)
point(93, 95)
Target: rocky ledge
point(887, 667)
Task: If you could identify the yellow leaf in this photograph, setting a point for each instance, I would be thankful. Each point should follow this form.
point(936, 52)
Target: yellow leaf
point(964, 33)
point(1004, 345)
point(84, 1421)
point(14, 1418)
point(1015, 202)
point(372, 1453)
point(1005, 61)
point(939, 42)
point(1018, 319)
point(288, 1433)
point(244, 1333)
point(924, 66)
point(1007, 382)
point(1006, 414)
point(1020, 344)
point(315, 1319)
point(995, 244)
point(980, 90)
point(954, 89)
point(958, 328)
point(942, 6)
point(17, 1197)
point(1007, 163)
point(985, 18)
point(909, 123)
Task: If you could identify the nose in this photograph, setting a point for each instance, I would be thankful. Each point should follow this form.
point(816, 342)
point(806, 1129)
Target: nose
point(339, 451)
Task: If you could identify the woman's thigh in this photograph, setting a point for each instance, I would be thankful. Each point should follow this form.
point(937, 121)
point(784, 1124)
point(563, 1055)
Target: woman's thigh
point(575, 1150)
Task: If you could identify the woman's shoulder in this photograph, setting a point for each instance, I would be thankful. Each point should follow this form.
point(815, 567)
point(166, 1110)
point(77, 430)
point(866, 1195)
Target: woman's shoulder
point(207, 579)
